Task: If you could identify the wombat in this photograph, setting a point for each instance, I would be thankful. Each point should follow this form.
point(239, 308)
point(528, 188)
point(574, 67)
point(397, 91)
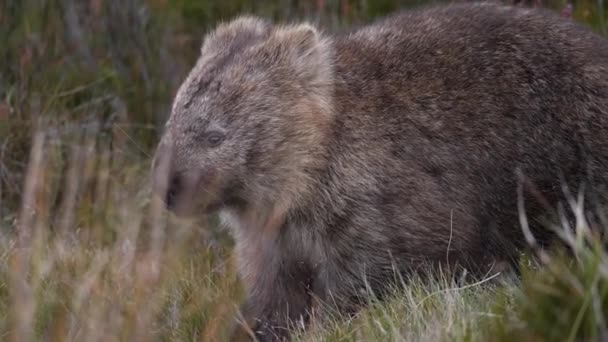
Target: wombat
point(342, 160)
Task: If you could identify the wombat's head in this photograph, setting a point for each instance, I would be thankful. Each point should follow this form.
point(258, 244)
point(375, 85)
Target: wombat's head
point(248, 122)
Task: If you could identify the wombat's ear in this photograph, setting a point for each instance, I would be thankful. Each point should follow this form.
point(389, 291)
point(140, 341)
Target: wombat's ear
point(308, 51)
point(242, 31)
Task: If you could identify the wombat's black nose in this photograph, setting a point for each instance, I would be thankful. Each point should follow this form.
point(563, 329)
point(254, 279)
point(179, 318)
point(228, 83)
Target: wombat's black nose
point(173, 189)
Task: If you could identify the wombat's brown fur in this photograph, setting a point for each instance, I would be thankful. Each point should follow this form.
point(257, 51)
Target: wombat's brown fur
point(338, 160)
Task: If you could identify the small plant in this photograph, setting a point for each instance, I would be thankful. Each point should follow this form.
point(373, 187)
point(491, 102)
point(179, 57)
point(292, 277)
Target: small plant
point(566, 297)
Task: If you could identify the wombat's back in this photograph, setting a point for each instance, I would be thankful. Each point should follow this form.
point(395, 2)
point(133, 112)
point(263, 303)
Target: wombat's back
point(438, 109)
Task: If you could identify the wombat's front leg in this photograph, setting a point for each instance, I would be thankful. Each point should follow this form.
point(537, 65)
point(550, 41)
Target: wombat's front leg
point(278, 296)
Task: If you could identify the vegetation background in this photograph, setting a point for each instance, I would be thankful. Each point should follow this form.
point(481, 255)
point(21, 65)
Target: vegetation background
point(85, 255)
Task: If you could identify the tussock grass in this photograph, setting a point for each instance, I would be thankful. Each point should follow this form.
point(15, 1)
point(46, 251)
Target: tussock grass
point(566, 298)
point(442, 309)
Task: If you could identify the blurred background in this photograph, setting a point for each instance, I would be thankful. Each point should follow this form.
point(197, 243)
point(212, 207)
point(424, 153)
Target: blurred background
point(85, 87)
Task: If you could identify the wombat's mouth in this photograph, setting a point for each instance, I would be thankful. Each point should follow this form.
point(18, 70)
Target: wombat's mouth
point(181, 208)
point(199, 200)
point(189, 193)
point(193, 193)
point(212, 208)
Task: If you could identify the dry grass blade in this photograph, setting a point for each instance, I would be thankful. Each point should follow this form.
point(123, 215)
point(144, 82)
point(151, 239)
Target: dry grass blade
point(24, 304)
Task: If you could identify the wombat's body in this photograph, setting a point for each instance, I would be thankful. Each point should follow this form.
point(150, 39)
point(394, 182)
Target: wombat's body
point(340, 160)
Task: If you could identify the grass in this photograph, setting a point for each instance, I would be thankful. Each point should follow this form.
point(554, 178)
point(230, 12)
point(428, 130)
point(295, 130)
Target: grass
point(422, 310)
point(86, 255)
point(109, 265)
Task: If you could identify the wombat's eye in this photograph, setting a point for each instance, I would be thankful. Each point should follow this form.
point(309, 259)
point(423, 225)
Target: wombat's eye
point(214, 139)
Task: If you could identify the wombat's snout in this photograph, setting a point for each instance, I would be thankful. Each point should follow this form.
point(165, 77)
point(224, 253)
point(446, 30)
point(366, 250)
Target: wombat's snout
point(175, 186)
